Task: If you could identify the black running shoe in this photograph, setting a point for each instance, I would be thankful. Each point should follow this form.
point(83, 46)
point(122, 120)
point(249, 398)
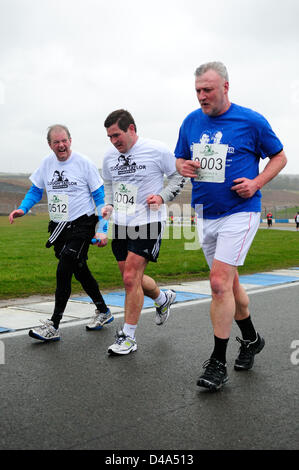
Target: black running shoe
point(247, 352)
point(214, 376)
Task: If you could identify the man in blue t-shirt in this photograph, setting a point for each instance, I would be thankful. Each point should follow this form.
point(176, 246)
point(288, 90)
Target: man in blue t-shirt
point(219, 148)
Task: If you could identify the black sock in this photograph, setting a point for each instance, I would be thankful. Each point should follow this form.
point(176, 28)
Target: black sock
point(56, 318)
point(247, 329)
point(220, 346)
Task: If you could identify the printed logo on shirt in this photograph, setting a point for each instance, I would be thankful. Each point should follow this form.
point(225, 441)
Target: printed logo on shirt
point(209, 137)
point(60, 181)
point(125, 165)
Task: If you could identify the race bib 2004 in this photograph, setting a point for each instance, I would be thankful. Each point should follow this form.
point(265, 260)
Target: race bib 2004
point(125, 197)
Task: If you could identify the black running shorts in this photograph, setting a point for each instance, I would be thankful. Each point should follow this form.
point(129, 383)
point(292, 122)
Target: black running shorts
point(75, 237)
point(144, 240)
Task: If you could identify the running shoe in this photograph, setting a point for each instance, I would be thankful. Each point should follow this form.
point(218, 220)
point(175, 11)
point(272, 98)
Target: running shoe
point(214, 376)
point(99, 320)
point(247, 352)
point(162, 311)
point(123, 344)
point(46, 332)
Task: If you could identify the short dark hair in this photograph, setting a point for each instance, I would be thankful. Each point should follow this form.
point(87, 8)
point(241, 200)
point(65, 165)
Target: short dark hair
point(122, 118)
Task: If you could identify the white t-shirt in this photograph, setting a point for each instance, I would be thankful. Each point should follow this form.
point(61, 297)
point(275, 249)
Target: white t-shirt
point(134, 176)
point(69, 185)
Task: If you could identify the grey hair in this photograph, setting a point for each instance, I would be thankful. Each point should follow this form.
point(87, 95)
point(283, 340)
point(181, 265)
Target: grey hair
point(219, 67)
point(56, 127)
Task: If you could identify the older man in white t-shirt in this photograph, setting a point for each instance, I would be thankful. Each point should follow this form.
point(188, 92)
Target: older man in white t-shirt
point(74, 187)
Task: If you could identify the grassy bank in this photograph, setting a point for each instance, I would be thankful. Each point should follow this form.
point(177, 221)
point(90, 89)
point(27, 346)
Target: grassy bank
point(28, 268)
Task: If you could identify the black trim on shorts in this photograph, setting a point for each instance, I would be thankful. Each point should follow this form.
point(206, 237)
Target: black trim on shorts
point(74, 237)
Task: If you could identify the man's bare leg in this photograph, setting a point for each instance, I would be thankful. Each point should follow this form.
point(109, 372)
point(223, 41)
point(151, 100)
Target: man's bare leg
point(223, 304)
point(132, 272)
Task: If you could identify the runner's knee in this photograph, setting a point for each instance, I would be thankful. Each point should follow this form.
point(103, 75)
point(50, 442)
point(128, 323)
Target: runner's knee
point(81, 270)
point(130, 280)
point(220, 283)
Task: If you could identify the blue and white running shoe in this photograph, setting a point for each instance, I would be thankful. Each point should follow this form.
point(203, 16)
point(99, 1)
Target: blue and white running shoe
point(46, 332)
point(99, 320)
point(162, 311)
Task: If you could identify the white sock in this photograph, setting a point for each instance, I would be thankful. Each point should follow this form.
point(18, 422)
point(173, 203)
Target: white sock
point(161, 299)
point(129, 330)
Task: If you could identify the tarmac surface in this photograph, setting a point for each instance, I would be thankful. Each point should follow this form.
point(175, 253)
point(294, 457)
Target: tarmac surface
point(71, 395)
point(277, 226)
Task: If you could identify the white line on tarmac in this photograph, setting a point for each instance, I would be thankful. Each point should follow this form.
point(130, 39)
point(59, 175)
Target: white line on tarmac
point(13, 334)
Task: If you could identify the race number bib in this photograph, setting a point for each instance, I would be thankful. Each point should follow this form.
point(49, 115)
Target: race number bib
point(124, 198)
point(212, 158)
point(58, 207)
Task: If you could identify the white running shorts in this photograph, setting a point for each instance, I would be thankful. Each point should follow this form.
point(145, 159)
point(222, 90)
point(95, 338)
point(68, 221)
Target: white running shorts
point(228, 239)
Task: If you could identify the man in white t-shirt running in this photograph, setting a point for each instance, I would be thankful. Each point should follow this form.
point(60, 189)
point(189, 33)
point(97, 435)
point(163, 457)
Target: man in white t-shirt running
point(133, 173)
point(74, 187)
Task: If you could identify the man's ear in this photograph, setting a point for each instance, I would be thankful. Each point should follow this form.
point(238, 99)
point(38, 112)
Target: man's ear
point(131, 127)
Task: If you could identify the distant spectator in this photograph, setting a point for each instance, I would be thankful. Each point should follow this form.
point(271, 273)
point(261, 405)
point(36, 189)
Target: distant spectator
point(269, 219)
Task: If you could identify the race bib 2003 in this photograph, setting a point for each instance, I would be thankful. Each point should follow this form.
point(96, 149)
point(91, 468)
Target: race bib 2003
point(212, 159)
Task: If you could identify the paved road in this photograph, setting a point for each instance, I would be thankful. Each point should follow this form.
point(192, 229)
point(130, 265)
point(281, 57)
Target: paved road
point(72, 395)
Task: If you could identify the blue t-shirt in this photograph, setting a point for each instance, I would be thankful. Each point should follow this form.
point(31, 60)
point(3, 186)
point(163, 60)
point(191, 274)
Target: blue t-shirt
point(248, 137)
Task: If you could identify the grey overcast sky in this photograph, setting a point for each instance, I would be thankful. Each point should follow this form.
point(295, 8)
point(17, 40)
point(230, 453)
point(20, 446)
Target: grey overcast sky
point(73, 62)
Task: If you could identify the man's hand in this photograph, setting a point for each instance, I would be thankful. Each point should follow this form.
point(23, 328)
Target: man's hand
point(14, 214)
point(245, 187)
point(154, 202)
point(188, 168)
point(101, 239)
point(107, 211)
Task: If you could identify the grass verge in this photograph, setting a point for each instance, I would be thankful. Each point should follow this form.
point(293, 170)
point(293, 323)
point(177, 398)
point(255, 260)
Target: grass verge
point(28, 268)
